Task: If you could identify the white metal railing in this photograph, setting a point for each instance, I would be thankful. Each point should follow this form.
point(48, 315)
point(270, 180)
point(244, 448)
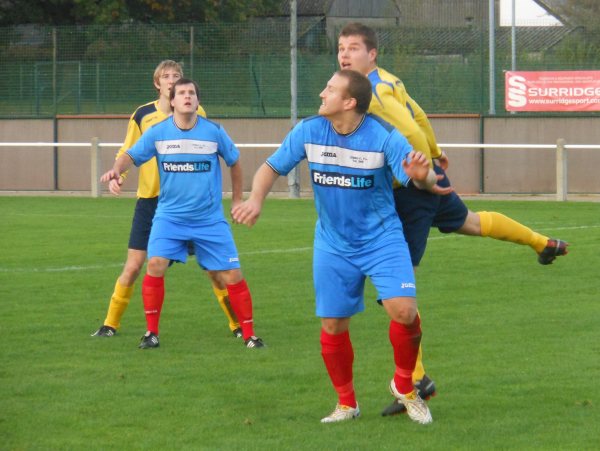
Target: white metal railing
point(561, 156)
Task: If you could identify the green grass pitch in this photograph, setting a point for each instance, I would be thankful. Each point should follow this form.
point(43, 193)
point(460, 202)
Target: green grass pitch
point(514, 347)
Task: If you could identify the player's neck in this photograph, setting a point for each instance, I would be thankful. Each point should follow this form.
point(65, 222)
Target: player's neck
point(371, 69)
point(164, 105)
point(347, 123)
point(185, 121)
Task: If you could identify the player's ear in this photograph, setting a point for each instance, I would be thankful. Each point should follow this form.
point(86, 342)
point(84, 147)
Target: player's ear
point(373, 55)
point(351, 103)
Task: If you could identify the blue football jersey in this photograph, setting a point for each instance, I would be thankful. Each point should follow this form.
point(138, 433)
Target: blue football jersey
point(351, 177)
point(189, 170)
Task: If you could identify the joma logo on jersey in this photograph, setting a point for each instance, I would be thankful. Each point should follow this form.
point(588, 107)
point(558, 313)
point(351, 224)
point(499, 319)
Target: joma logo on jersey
point(335, 179)
point(328, 154)
point(184, 166)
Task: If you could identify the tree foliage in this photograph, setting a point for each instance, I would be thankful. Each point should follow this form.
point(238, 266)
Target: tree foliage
point(107, 12)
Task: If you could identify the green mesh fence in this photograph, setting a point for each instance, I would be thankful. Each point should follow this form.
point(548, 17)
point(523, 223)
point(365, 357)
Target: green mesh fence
point(244, 69)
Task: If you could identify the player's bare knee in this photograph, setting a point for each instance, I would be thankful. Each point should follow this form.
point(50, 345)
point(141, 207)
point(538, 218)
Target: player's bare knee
point(133, 267)
point(131, 272)
point(157, 266)
point(335, 326)
point(229, 277)
point(401, 310)
point(406, 318)
point(129, 275)
point(216, 279)
point(471, 226)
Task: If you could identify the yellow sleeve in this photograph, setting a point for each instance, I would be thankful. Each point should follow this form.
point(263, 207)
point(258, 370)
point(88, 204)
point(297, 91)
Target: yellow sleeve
point(133, 134)
point(425, 125)
point(388, 105)
point(201, 111)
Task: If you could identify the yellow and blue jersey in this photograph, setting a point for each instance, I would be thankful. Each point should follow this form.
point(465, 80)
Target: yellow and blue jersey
point(142, 119)
point(351, 178)
point(391, 102)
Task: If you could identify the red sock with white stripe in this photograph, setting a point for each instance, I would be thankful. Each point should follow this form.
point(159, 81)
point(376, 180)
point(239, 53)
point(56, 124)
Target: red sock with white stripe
point(338, 356)
point(241, 303)
point(405, 342)
point(153, 294)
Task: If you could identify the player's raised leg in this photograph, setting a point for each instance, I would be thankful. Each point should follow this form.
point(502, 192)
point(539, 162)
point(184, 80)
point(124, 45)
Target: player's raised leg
point(500, 227)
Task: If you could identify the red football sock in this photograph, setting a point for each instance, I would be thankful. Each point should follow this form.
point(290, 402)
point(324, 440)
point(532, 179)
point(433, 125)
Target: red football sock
point(405, 342)
point(338, 356)
point(153, 293)
point(241, 303)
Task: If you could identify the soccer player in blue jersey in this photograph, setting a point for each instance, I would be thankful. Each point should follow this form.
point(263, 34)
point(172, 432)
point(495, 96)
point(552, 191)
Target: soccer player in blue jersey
point(187, 148)
point(420, 210)
point(353, 157)
point(144, 117)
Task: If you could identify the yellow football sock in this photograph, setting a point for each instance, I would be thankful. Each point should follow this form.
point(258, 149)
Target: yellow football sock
point(223, 298)
point(118, 304)
point(419, 371)
point(500, 227)
point(412, 395)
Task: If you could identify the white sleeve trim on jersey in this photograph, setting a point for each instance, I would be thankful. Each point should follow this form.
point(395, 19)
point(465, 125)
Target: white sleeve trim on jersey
point(271, 166)
point(189, 146)
point(339, 156)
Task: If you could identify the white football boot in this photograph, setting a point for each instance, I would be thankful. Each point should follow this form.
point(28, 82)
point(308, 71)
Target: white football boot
point(341, 413)
point(416, 408)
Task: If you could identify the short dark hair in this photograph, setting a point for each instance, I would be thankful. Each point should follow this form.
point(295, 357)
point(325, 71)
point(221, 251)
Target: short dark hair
point(358, 29)
point(359, 88)
point(184, 81)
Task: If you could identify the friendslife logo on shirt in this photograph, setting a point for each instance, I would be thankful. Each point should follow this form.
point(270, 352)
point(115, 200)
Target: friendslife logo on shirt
point(335, 179)
point(186, 166)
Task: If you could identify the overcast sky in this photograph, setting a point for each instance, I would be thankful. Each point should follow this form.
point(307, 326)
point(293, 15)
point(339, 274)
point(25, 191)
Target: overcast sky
point(527, 12)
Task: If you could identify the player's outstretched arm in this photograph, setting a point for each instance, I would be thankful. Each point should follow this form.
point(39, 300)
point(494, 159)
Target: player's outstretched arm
point(236, 184)
point(248, 212)
point(113, 176)
point(423, 121)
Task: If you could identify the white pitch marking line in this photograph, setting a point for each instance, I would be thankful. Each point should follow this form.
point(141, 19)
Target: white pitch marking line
point(115, 265)
point(262, 252)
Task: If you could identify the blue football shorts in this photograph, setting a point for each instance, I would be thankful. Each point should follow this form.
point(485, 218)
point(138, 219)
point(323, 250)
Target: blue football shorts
point(419, 210)
point(214, 246)
point(339, 278)
point(142, 223)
